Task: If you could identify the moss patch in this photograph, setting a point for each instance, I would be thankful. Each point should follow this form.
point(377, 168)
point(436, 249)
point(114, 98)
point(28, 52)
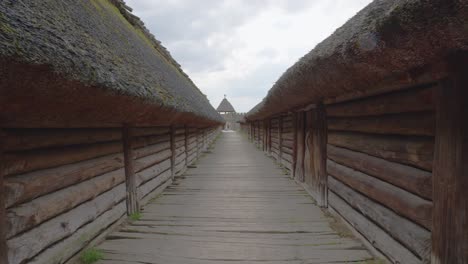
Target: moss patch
point(91, 255)
point(135, 216)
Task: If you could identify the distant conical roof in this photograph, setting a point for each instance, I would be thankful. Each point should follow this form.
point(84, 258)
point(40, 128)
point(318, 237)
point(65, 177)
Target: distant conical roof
point(225, 106)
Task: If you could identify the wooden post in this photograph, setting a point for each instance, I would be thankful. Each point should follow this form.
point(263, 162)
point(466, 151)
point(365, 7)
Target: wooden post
point(300, 146)
point(319, 153)
point(280, 139)
point(294, 147)
point(269, 136)
point(450, 171)
point(186, 145)
point(3, 244)
point(173, 150)
point(130, 180)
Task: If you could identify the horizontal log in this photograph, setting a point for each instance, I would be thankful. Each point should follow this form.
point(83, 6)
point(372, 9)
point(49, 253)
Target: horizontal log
point(409, 178)
point(417, 124)
point(26, 161)
point(154, 183)
point(415, 151)
point(148, 161)
point(150, 131)
point(287, 150)
point(139, 142)
point(67, 248)
point(289, 136)
point(180, 131)
point(180, 158)
point(23, 188)
point(179, 144)
point(393, 250)
point(26, 139)
point(27, 245)
point(151, 149)
point(414, 237)
point(402, 202)
point(152, 172)
point(180, 168)
point(287, 157)
point(414, 100)
point(287, 143)
point(180, 138)
point(28, 215)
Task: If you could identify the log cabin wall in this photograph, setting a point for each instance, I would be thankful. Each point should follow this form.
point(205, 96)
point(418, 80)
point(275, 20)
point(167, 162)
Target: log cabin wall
point(274, 132)
point(287, 142)
point(380, 155)
point(65, 187)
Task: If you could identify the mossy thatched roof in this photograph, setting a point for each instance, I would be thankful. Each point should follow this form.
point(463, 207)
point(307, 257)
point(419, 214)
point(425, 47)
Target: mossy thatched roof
point(100, 44)
point(388, 43)
point(225, 106)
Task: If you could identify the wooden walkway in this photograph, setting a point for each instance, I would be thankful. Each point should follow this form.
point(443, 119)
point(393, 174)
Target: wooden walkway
point(237, 206)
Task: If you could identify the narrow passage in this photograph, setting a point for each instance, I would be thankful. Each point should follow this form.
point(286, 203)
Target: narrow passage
point(237, 206)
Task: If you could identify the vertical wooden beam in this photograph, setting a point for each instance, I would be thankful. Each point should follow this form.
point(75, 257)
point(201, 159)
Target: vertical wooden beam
point(269, 136)
point(319, 153)
point(450, 171)
point(198, 142)
point(186, 144)
point(3, 244)
point(300, 146)
point(280, 139)
point(173, 151)
point(294, 147)
point(130, 179)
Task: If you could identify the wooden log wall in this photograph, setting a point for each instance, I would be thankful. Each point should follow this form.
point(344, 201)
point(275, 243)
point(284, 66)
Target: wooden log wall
point(64, 187)
point(287, 142)
point(380, 152)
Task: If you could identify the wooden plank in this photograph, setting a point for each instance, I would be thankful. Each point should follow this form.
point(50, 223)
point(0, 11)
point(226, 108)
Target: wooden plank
point(28, 215)
point(450, 218)
point(152, 149)
point(409, 178)
point(130, 180)
point(150, 131)
point(3, 217)
point(29, 244)
point(376, 236)
point(27, 139)
point(280, 139)
point(23, 188)
point(300, 147)
point(414, 151)
point(26, 161)
point(62, 251)
point(411, 235)
point(411, 100)
point(398, 200)
point(417, 124)
point(319, 153)
point(173, 150)
point(153, 172)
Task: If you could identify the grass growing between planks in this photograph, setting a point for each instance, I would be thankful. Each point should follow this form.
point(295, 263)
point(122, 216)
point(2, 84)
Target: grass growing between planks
point(135, 216)
point(91, 256)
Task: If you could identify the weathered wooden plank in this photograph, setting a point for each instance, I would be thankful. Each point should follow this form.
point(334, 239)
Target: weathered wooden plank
point(412, 100)
point(139, 142)
point(450, 218)
point(150, 131)
point(153, 171)
point(414, 151)
point(129, 167)
point(173, 150)
point(3, 217)
point(319, 153)
point(21, 162)
point(376, 236)
point(27, 139)
point(28, 215)
point(23, 188)
point(151, 149)
point(409, 178)
point(398, 200)
point(27, 245)
point(300, 147)
point(61, 252)
point(413, 236)
point(154, 183)
point(416, 124)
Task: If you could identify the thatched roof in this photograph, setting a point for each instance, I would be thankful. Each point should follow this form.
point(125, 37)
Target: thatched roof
point(388, 43)
point(95, 50)
point(225, 106)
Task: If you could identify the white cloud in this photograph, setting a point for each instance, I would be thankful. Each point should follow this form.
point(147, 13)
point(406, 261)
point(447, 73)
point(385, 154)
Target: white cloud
point(241, 47)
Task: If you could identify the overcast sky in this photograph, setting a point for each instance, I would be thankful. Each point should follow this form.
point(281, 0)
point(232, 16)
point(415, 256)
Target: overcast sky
point(241, 47)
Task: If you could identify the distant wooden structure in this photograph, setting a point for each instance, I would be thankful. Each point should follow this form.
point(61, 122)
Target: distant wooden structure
point(96, 119)
point(231, 118)
point(378, 134)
